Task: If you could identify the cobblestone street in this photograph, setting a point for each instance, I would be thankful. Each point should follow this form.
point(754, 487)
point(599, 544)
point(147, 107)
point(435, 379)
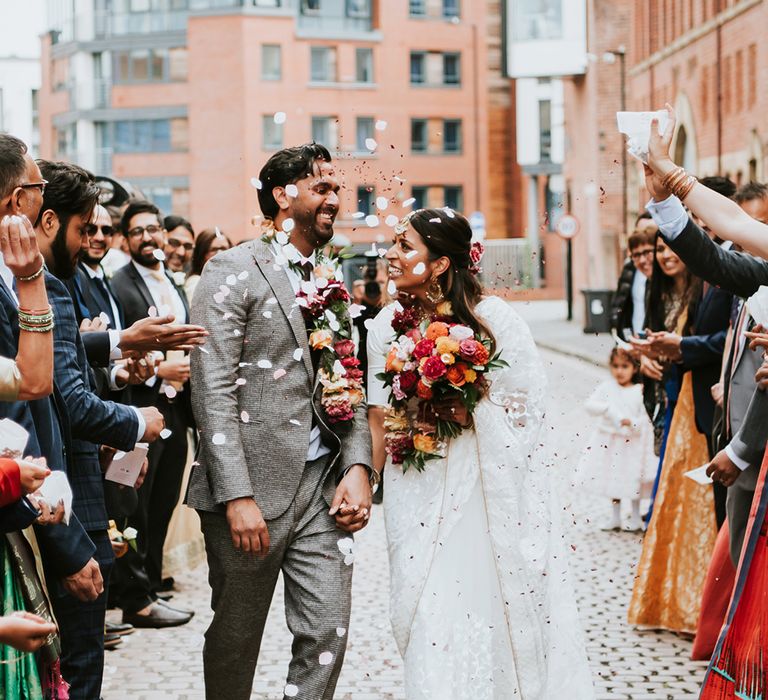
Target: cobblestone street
point(626, 663)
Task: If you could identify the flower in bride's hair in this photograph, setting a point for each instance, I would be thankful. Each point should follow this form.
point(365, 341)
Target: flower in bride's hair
point(436, 330)
point(433, 368)
point(320, 339)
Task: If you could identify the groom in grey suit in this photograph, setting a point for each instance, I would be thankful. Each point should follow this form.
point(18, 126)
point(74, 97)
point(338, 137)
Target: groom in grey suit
point(277, 486)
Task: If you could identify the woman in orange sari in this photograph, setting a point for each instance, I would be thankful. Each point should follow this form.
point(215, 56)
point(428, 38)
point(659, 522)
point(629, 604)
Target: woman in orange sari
point(681, 534)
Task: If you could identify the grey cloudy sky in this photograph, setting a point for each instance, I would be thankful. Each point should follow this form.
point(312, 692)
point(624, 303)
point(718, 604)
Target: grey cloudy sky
point(23, 22)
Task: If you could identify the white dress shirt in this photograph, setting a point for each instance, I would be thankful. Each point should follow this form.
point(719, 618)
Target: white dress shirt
point(164, 294)
point(671, 218)
point(638, 301)
point(316, 448)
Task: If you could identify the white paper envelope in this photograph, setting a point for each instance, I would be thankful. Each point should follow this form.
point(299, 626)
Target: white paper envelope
point(637, 126)
point(699, 475)
point(126, 466)
point(757, 305)
point(56, 488)
point(13, 439)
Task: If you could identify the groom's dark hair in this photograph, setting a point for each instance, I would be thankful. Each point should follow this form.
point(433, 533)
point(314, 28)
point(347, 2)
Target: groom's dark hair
point(285, 167)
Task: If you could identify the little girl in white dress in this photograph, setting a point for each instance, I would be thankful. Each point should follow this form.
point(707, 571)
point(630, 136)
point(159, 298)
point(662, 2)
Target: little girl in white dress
point(618, 461)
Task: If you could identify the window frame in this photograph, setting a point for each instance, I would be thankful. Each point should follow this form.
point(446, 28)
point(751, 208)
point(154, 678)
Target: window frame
point(268, 120)
point(367, 50)
point(422, 56)
point(331, 67)
point(423, 123)
point(272, 78)
point(457, 56)
point(458, 123)
point(360, 146)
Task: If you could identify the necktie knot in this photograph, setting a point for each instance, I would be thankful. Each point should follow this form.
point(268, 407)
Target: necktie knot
point(306, 270)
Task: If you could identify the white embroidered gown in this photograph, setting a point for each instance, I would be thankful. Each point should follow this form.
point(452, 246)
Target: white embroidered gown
point(481, 603)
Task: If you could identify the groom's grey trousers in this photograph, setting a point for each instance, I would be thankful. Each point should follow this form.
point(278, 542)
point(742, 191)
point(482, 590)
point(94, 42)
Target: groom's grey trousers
point(304, 545)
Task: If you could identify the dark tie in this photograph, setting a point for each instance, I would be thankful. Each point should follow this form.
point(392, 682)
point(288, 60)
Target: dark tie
point(101, 287)
point(306, 270)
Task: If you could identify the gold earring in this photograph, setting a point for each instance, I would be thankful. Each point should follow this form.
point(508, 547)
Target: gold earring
point(434, 292)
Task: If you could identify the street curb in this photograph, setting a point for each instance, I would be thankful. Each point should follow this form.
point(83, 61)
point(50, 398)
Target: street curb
point(567, 352)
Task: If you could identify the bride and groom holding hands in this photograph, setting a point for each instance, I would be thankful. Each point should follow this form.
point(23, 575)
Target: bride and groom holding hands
point(481, 602)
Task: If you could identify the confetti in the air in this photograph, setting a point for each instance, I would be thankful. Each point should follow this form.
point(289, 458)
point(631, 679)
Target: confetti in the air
point(372, 220)
point(290, 690)
point(288, 224)
point(419, 268)
point(435, 220)
point(391, 220)
point(298, 353)
point(391, 288)
point(219, 297)
point(240, 381)
point(409, 202)
point(218, 439)
point(264, 364)
point(243, 275)
point(411, 254)
point(381, 125)
point(293, 421)
point(291, 190)
point(280, 117)
point(341, 631)
point(245, 417)
point(255, 182)
point(170, 391)
point(165, 433)
point(382, 203)
point(371, 144)
point(326, 658)
point(279, 373)
point(358, 215)
point(159, 255)
point(271, 300)
point(267, 314)
point(231, 280)
point(218, 232)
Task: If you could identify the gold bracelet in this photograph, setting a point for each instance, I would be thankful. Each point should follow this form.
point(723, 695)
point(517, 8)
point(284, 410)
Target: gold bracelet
point(685, 189)
point(37, 329)
point(674, 174)
point(676, 180)
point(34, 275)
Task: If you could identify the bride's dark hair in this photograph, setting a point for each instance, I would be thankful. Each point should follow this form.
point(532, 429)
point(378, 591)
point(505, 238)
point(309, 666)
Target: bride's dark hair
point(449, 235)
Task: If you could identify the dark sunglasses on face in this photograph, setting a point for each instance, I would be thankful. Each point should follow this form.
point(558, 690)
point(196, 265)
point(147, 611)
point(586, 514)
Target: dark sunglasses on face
point(176, 243)
point(93, 229)
point(640, 254)
point(140, 230)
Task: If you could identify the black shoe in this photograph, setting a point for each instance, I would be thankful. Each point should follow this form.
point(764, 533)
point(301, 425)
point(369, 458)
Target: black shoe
point(191, 613)
point(164, 595)
point(158, 616)
point(120, 629)
point(112, 641)
point(166, 584)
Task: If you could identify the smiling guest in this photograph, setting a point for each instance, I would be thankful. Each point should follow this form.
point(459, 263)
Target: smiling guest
point(179, 243)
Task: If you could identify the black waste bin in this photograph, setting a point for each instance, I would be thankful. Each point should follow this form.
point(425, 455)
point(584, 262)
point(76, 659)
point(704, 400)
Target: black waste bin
point(597, 318)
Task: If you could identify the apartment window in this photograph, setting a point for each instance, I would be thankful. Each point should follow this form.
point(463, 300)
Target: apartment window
point(323, 64)
point(418, 68)
point(419, 194)
point(417, 8)
point(365, 126)
point(150, 65)
point(359, 9)
point(419, 136)
point(161, 196)
point(273, 133)
point(310, 7)
point(324, 132)
point(266, 3)
point(35, 110)
point(451, 69)
point(452, 136)
point(366, 199)
point(149, 135)
point(271, 63)
point(450, 8)
point(364, 65)
point(545, 130)
point(453, 197)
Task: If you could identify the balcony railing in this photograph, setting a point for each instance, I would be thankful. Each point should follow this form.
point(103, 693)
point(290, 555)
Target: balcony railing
point(90, 95)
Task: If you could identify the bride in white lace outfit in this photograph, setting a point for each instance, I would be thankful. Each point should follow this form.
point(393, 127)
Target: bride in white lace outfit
point(481, 602)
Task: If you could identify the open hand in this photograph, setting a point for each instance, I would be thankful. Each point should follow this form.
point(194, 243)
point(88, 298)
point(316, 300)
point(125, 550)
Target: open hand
point(161, 333)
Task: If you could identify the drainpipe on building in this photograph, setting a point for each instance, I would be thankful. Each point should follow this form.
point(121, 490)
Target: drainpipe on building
point(719, 80)
point(477, 117)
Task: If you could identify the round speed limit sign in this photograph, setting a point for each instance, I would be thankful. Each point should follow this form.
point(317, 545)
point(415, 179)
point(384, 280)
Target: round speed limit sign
point(568, 226)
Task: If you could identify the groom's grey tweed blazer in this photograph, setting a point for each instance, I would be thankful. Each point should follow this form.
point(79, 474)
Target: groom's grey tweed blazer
point(254, 436)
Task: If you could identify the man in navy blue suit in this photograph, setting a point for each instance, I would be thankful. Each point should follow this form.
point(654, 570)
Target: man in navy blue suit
point(67, 208)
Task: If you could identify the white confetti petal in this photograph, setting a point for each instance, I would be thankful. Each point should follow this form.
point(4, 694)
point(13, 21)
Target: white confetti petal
point(435, 220)
point(346, 545)
point(264, 364)
point(349, 559)
point(170, 391)
point(298, 353)
point(224, 290)
point(152, 311)
point(382, 203)
point(391, 288)
point(358, 215)
point(245, 417)
point(372, 220)
point(411, 254)
point(341, 631)
point(104, 318)
point(279, 373)
point(293, 421)
point(271, 300)
point(218, 439)
point(408, 202)
point(255, 182)
point(291, 190)
point(290, 690)
point(219, 297)
point(280, 117)
point(165, 433)
point(281, 237)
point(267, 314)
point(391, 220)
point(243, 275)
point(288, 225)
point(355, 310)
point(449, 213)
point(227, 316)
point(419, 268)
point(381, 125)
point(371, 144)
point(339, 369)
point(368, 323)
point(159, 255)
point(241, 381)
point(326, 658)
point(231, 280)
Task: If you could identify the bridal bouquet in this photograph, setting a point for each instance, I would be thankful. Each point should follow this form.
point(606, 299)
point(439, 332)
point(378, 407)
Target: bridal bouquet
point(431, 360)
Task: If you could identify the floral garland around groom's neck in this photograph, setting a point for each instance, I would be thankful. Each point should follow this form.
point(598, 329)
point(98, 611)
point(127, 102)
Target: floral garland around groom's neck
point(325, 305)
